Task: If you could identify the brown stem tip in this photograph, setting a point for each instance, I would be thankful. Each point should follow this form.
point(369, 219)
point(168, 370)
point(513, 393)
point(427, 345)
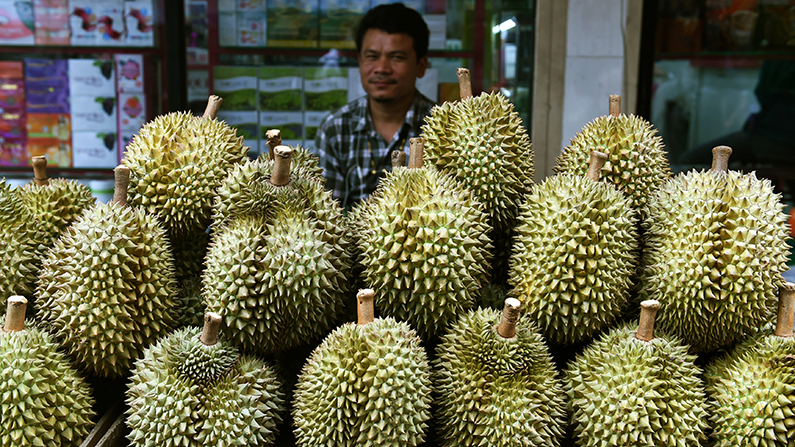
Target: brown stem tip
point(510, 315)
point(615, 105)
point(213, 105)
point(15, 314)
point(786, 310)
point(121, 175)
point(416, 152)
point(281, 169)
point(39, 163)
point(464, 83)
point(598, 159)
point(365, 306)
point(648, 311)
point(274, 137)
point(720, 158)
point(398, 159)
point(212, 325)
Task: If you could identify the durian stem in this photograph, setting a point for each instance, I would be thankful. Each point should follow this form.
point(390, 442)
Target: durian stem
point(39, 163)
point(510, 315)
point(365, 306)
point(416, 152)
point(598, 160)
point(122, 176)
point(15, 314)
point(213, 105)
point(648, 311)
point(274, 137)
point(464, 82)
point(720, 158)
point(615, 105)
point(786, 310)
point(212, 325)
point(281, 167)
point(398, 159)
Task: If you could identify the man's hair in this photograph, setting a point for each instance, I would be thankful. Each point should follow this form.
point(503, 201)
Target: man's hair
point(395, 18)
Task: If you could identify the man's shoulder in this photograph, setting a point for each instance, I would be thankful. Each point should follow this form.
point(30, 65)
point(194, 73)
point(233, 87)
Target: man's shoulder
point(423, 104)
point(351, 109)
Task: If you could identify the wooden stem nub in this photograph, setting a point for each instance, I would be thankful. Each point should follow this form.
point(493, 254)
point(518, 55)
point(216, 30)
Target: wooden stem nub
point(122, 177)
point(365, 306)
point(786, 310)
point(464, 83)
point(398, 159)
point(274, 137)
point(510, 315)
point(15, 314)
point(213, 105)
point(615, 105)
point(416, 152)
point(39, 163)
point(648, 311)
point(598, 159)
point(720, 158)
point(281, 168)
point(212, 324)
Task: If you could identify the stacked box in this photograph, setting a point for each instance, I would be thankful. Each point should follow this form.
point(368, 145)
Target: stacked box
point(139, 23)
point(47, 109)
point(17, 24)
point(51, 22)
point(325, 88)
point(338, 22)
point(131, 97)
point(238, 88)
point(50, 134)
point(292, 23)
point(92, 85)
point(280, 103)
point(242, 23)
point(13, 134)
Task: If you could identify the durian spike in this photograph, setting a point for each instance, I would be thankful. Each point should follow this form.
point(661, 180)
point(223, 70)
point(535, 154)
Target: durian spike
point(464, 82)
point(786, 310)
point(15, 314)
point(365, 306)
point(598, 160)
point(39, 163)
point(416, 151)
point(615, 105)
point(510, 315)
point(720, 158)
point(281, 168)
point(274, 137)
point(122, 176)
point(398, 159)
point(648, 310)
point(213, 105)
point(212, 324)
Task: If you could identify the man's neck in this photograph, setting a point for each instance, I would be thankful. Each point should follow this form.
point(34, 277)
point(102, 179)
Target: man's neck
point(388, 117)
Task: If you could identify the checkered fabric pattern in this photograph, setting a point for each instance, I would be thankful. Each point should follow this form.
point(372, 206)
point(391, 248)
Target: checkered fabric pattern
point(354, 155)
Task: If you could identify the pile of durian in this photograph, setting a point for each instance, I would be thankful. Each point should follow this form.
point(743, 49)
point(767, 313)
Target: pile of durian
point(460, 305)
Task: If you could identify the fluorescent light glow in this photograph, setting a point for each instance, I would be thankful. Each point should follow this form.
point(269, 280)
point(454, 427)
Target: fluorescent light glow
point(504, 26)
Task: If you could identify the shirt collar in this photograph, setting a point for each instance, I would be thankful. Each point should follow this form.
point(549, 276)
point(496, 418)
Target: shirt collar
point(366, 121)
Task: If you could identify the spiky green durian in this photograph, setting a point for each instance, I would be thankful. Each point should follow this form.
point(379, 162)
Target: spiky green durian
point(190, 302)
point(423, 239)
point(186, 393)
point(364, 385)
point(627, 392)
point(56, 205)
point(482, 143)
point(573, 256)
point(21, 248)
point(43, 400)
point(491, 296)
point(495, 391)
point(277, 282)
point(716, 245)
point(636, 158)
point(189, 253)
point(176, 163)
point(107, 288)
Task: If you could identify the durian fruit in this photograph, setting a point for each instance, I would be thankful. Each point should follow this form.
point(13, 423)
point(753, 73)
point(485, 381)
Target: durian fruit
point(194, 389)
point(481, 142)
point(716, 245)
point(21, 248)
point(574, 254)
point(496, 383)
point(630, 388)
point(423, 239)
point(43, 401)
point(636, 158)
point(176, 162)
point(189, 253)
point(752, 389)
point(277, 265)
point(54, 203)
point(107, 289)
point(366, 384)
point(492, 296)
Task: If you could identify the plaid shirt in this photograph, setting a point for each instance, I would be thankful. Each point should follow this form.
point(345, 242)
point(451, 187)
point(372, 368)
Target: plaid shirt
point(354, 155)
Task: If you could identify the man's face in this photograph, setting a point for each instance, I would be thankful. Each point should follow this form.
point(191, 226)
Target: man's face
point(388, 65)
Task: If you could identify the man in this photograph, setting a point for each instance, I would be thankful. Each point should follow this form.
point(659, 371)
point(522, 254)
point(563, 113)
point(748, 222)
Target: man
point(354, 143)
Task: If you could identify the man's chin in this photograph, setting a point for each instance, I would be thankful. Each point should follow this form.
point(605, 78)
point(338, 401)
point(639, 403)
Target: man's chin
point(382, 98)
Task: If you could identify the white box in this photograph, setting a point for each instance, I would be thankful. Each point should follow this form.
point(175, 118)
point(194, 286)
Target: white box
point(95, 150)
point(132, 111)
point(139, 23)
point(129, 73)
point(97, 113)
point(93, 77)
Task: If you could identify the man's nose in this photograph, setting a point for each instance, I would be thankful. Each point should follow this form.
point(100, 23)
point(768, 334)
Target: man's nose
point(382, 64)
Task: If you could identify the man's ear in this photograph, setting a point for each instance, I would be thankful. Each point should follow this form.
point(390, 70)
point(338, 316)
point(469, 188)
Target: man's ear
point(422, 65)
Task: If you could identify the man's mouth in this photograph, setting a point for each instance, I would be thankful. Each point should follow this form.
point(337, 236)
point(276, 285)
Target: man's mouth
point(381, 82)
